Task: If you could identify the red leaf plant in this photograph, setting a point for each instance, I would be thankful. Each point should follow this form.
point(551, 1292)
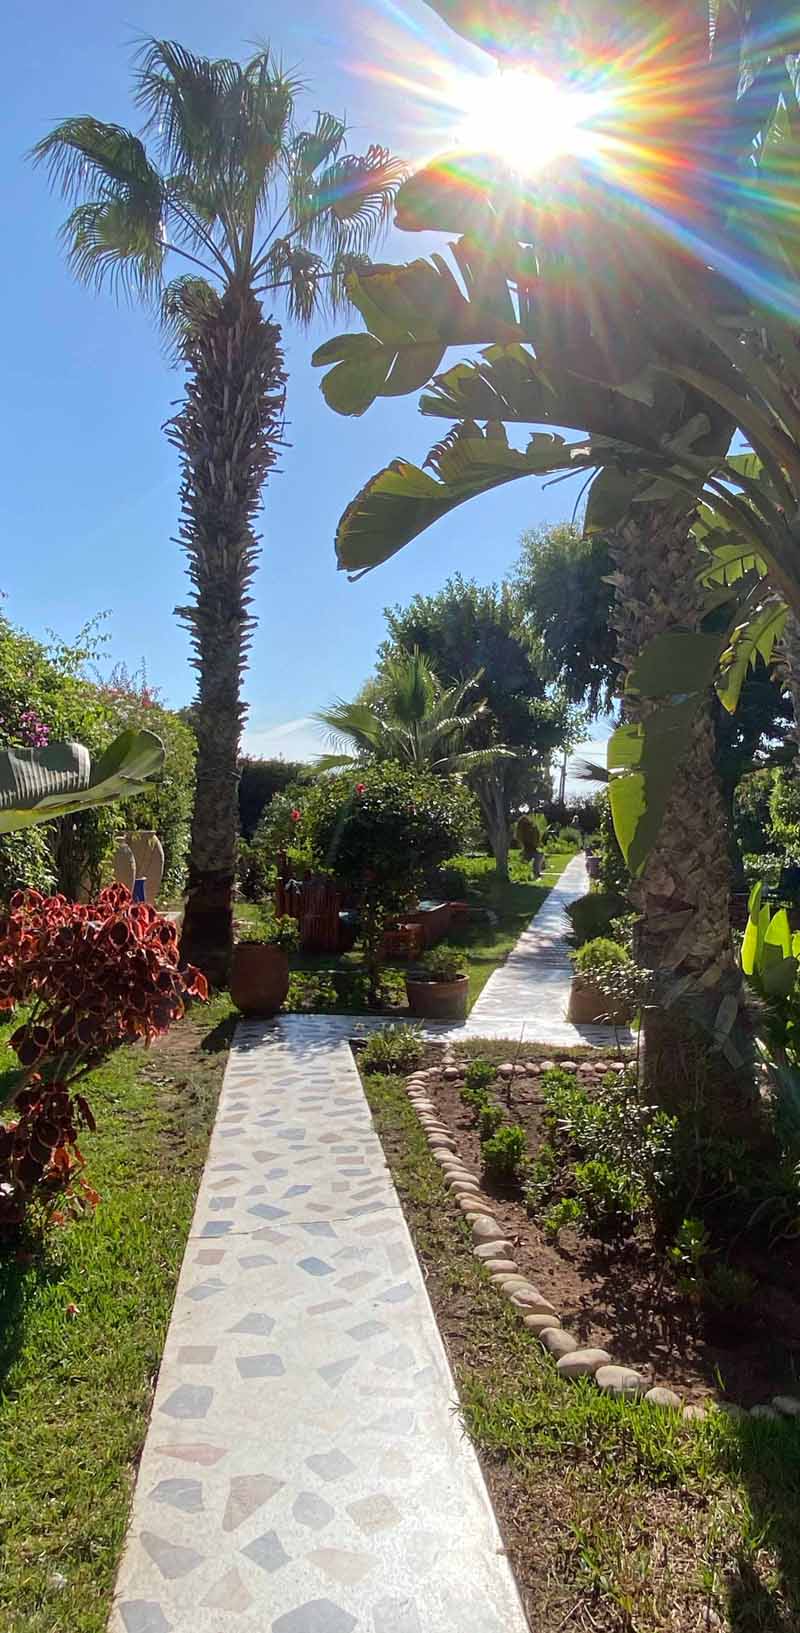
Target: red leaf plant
point(93, 975)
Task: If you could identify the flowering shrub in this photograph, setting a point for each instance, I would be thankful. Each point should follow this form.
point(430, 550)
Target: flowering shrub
point(93, 975)
point(381, 837)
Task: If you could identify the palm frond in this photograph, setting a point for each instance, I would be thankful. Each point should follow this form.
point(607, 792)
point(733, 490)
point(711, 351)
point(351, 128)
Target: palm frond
point(299, 271)
point(349, 205)
point(186, 302)
point(115, 232)
point(224, 125)
point(311, 148)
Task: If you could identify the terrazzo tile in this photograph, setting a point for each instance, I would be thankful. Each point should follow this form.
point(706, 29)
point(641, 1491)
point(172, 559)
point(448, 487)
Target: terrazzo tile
point(281, 1489)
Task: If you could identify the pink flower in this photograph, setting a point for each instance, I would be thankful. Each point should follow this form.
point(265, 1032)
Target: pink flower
point(360, 787)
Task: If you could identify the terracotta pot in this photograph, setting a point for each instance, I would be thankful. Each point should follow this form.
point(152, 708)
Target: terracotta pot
point(588, 1004)
point(259, 977)
point(438, 1000)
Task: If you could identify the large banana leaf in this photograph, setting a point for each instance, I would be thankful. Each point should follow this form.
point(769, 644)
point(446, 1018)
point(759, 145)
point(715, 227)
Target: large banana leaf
point(675, 672)
point(403, 500)
point(37, 785)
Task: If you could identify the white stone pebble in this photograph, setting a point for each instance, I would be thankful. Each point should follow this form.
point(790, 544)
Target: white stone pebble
point(582, 1363)
point(558, 1342)
point(619, 1380)
point(660, 1396)
point(787, 1405)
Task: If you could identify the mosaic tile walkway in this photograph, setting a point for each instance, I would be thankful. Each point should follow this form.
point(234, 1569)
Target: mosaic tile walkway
point(305, 1470)
point(529, 994)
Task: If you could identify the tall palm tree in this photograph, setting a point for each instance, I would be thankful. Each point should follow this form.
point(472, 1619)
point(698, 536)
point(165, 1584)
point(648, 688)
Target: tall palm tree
point(413, 720)
point(222, 185)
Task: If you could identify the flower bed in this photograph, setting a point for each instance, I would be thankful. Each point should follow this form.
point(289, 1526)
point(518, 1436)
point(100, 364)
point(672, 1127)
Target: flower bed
point(619, 1296)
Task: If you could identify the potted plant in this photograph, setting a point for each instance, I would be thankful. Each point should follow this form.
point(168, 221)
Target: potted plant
point(595, 992)
point(438, 991)
point(260, 967)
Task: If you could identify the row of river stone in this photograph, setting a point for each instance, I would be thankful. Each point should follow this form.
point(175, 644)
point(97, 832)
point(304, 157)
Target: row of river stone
point(538, 1314)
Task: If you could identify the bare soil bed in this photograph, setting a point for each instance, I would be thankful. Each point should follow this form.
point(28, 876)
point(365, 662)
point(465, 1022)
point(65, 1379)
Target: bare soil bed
point(621, 1296)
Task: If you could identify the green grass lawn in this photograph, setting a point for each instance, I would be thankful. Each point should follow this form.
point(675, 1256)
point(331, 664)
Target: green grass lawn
point(75, 1388)
point(618, 1518)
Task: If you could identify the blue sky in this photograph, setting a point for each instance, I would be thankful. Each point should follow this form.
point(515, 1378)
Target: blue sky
point(90, 483)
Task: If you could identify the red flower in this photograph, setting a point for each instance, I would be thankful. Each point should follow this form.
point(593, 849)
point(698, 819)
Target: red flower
point(296, 815)
point(360, 787)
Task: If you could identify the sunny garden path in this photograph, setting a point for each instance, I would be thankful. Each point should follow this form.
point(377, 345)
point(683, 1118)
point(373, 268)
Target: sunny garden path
point(529, 993)
point(305, 1470)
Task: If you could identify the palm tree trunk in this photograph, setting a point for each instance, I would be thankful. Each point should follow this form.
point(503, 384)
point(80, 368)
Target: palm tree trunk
point(683, 893)
point(490, 793)
point(228, 433)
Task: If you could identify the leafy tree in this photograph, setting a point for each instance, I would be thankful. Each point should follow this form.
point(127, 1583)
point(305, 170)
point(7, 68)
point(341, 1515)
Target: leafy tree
point(259, 781)
point(251, 207)
point(381, 836)
point(467, 626)
point(562, 582)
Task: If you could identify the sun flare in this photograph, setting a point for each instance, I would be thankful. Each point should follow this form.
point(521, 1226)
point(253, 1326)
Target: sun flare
point(524, 118)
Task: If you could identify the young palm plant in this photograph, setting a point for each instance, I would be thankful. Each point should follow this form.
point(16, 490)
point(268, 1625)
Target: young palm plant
point(414, 720)
point(222, 186)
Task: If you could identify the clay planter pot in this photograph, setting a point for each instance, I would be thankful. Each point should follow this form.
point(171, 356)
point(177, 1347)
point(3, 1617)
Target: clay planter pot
point(438, 1000)
point(587, 1004)
point(259, 977)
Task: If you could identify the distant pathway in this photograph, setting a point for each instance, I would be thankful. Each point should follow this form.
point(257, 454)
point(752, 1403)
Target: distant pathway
point(529, 993)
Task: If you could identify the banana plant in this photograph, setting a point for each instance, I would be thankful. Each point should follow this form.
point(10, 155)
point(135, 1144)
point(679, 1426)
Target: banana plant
point(37, 785)
point(770, 950)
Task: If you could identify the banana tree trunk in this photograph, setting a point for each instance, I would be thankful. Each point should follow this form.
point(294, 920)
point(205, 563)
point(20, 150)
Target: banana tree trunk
point(683, 894)
point(228, 433)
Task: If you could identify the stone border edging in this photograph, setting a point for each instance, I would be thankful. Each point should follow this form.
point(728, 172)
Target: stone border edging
point(540, 1317)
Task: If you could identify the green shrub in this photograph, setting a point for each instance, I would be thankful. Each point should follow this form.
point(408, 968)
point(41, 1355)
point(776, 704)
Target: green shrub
point(612, 1198)
point(490, 1117)
point(504, 1154)
point(613, 1155)
point(480, 1073)
point(311, 991)
point(445, 963)
point(687, 1255)
point(255, 870)
point(594, 956)
point(270, 929)
point(728, 1288)
point(592, 915)
point(570, 838)
point(393, 1049)
point(568, 1214)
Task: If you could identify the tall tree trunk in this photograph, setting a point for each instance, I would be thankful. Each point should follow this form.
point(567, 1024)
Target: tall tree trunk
point(490, 793)
point(683, 893)
point(228, 433)
point(789, 656)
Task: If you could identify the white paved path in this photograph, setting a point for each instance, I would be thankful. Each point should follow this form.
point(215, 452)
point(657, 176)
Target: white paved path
point(305, 1470)
point(529, 994)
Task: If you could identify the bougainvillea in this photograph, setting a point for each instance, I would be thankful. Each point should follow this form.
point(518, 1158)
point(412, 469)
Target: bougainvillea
point(92, 976)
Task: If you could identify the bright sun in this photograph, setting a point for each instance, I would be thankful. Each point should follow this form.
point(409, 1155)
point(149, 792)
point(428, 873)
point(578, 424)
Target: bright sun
point(525, 119)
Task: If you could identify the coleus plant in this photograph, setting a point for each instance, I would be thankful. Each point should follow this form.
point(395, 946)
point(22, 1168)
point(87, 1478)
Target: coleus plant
point(92, 976)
